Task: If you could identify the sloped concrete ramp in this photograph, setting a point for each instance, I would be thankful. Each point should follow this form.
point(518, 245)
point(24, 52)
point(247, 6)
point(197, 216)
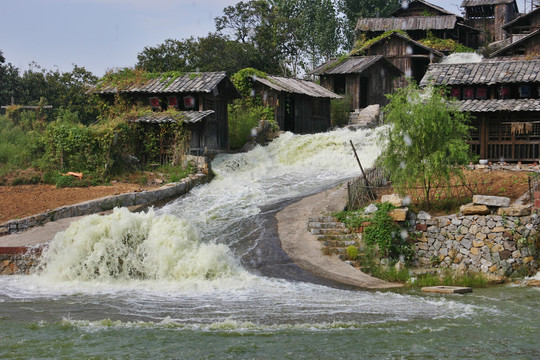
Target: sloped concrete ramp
point(306, 251)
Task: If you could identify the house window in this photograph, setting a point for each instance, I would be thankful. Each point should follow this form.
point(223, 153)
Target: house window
point(504, 92)
point(154, 103)
point(481, 93)
point(525, 91)
point(189, 102)
point(455, 92)
point(173, 101)
point(468, 93)
point(339, 84)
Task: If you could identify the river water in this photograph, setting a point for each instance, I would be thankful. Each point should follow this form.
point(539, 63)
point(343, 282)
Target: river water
point(204, 278)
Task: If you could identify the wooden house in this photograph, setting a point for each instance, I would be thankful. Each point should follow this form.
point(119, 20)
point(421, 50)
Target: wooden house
point(504, 99)
point(417, 19)
point(300, 106)
point(524, 24)
point(201, 99)
point(489, 16)
point(526, 46)
point(366, 79)
point(408, 55)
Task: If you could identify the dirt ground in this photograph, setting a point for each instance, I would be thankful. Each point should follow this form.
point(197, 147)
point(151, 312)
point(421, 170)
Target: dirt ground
point(25, 200)
point(20, 201)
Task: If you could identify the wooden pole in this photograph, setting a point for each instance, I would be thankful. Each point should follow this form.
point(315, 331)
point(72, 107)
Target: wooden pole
point(359, 163)
point(369, 190)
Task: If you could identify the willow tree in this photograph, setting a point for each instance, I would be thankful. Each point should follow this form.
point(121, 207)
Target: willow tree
point(426, 140)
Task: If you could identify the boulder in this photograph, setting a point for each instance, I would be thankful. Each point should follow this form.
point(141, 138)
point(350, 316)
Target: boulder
point(498, 201)
point(514, 210)
point(398, 214)
point(393, 199)
point(472, 209)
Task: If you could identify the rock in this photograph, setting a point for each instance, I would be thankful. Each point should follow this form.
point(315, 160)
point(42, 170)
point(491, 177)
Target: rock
point(535, 283)
point(471, 209)
point(398, 214)
point(514, 210)
point(393, 199)
point(505, 254)
point(497, 248)
point(371, 209)
point(447, 289)
point(498, 201)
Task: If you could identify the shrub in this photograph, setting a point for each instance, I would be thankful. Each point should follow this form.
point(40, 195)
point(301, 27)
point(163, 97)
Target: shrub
point(352, 252)
point(340, 109)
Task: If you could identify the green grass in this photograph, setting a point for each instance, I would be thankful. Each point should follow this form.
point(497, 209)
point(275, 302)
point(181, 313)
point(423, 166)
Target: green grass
point(451, 278)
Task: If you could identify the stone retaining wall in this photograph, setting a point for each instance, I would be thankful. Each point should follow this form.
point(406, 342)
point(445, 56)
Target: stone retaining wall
point(494, 244)
point(106, 203)
point(18, 260)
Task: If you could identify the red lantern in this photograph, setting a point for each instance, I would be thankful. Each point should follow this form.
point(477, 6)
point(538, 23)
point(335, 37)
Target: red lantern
point(468, 93)
point(154, 102)
point(173, 102)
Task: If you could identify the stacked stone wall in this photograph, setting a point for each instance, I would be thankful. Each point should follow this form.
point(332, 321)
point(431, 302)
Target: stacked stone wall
point(496, 244)
point(18, 260)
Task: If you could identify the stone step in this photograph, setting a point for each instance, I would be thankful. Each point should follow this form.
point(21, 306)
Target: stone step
point(330, 231)
point(339, 244)
point(326, 225)
point(344, 237)
point(322, 219)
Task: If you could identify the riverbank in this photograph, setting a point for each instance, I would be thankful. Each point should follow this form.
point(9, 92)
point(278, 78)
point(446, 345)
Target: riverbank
point(304, 249)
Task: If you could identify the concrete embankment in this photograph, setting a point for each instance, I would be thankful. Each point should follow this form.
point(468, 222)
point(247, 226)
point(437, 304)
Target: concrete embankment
point(306, 251)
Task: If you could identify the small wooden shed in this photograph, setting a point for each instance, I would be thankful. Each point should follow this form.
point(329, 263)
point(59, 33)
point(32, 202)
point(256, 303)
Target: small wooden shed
point(504, 99)
point(366, 79)
point(200, 97)
point(300, 106)
point(411, 57)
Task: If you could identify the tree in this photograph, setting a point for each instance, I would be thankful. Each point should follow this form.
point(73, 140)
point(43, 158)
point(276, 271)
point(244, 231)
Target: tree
point(354, 9)
point(426, 141)
point(9, 81)
point(172, 55)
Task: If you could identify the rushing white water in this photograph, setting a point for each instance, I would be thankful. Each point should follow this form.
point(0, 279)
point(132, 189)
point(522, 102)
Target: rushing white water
point(191, 239)
point(462, 58)
point(128, 245)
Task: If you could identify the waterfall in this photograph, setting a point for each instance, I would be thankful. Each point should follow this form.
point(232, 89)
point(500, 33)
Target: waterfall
point(191, 238)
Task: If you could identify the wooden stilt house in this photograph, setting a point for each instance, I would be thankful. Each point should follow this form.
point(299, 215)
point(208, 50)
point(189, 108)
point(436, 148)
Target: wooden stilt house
point(417, 20)
point(366, 79)
point(489, 16)
point(300, 106)
point(200, 98)
point(504, 99)
point(408, 55)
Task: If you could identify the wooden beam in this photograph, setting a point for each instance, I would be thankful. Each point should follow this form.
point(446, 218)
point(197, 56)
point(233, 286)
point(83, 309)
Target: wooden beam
point(28, 107)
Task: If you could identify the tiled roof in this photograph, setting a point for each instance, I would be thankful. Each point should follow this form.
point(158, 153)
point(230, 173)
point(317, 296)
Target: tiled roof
point(297, 86)
point(467, 3)
point(499, 105)
point(407, 23)
point(488, 72)
point(433, 6)
point(351, 65)
point(405, 38)
point(193, 82)
point(163, 117)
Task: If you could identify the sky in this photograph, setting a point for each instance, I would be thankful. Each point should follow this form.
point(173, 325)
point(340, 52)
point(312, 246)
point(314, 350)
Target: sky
point(104, 34)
